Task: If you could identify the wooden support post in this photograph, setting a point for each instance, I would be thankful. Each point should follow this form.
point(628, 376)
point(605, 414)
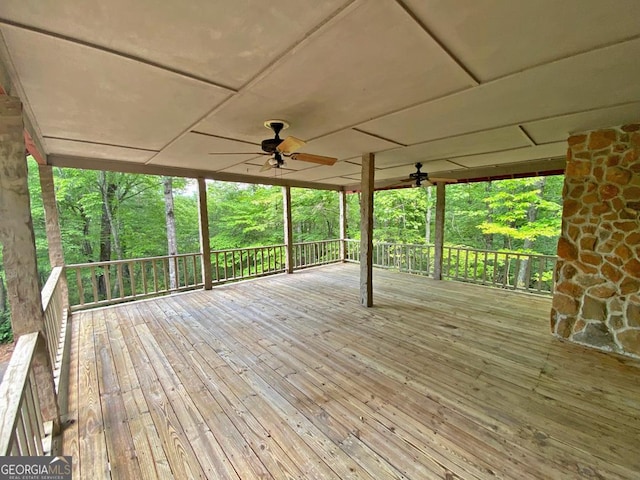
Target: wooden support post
point(16, 227)
point(366, 230)
point(439, 240)
point(343, 225)
point(19, 249)
point(54, 237)
point(288, 229)
point(205, 246)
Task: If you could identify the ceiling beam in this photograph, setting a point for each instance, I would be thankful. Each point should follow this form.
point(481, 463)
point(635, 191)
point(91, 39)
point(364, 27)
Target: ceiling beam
point(533, 168)
point(84, 163)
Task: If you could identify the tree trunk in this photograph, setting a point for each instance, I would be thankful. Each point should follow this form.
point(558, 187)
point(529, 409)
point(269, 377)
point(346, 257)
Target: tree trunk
point(172, 243)
point(105, 237)
point(532, 216)
point(108, 228)
point(87, 248)
point(488, 238)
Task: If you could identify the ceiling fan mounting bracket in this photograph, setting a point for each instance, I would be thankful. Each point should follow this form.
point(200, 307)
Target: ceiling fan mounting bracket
point(276, 125)
point(270, 145)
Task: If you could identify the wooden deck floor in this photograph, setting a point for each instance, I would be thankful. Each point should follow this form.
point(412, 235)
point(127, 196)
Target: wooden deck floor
point(288, 377)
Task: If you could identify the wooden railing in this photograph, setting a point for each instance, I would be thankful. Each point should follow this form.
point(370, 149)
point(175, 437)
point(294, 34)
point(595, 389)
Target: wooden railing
point(55, 316)
point(38, 363)
point(105, 283)
point(511, 270)
point(309, 254)
point(22, 430)
point(249, 262)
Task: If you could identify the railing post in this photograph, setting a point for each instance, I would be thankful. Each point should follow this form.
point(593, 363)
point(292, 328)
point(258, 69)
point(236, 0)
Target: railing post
point(18, 241)
point(343, 225)
point(16, 227)
point(205, 246)
point(366, 230)
point(54, 238)
point(439, 240)
point(288, 229)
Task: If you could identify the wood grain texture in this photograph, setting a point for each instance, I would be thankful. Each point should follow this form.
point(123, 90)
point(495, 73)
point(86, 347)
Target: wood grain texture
point(439, 233)
point(366, 229)
point(287, 377)
point(205, 242)
point(288, 229)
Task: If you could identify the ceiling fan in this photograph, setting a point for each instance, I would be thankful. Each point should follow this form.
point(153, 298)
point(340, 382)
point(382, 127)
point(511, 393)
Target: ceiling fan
point(419, 178)
point(279, 149)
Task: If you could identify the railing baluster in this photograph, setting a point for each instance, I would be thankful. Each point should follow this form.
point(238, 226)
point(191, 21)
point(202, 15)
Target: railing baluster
point(540, 272)
point(120, 280)
point(475, 267)
point(36, 403)
point(185, 273)
point(107, 281)
point(94, 284)
point(516, 273)
point(507, 264)
point(165, 272)
point(466, 265)
point(80, 288)
point(528, 273)
point(21, 435)
point(484, 269)
point(33, 428)
point(255, 261)
point(143, 272)
point(132, 278)
point(154, 266)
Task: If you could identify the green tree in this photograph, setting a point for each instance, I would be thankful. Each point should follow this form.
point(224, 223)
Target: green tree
point(522, 212)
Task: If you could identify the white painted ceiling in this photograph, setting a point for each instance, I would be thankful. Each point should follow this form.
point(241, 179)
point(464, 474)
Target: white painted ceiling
point(467, 87)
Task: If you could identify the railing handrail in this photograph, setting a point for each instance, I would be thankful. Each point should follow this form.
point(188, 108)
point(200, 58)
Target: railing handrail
point(50, 286)
point(236, 249)
point(12, 389)
point(312, 242)
point(55, 317)
point(470, 249)
point(180, 255)
point(129, 260)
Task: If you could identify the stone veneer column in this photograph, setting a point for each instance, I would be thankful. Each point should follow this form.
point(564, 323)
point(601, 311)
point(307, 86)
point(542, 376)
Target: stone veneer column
point(597, 297)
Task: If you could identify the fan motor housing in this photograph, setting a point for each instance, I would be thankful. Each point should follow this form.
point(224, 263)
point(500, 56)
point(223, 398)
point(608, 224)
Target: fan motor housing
point(270, 145)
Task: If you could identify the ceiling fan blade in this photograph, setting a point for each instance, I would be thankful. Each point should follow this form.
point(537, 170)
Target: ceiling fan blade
point(238, 153)
point(308, 157)
point(394, 182)
point(267, 165)
point(290, 145)
point(445, 180)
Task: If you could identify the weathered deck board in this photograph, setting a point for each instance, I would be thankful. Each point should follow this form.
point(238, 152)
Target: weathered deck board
point(289, 377)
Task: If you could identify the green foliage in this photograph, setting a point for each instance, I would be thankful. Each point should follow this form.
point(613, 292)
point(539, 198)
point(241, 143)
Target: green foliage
point(400, 214)
point(6, 335)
